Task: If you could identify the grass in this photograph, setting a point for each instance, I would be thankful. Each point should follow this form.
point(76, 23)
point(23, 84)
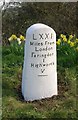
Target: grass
point(61, 106)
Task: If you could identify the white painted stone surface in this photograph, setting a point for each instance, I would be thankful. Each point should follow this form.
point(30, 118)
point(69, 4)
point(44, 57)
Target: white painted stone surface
point(39, 78)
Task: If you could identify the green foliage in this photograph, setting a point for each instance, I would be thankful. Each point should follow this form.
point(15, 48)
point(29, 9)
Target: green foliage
point(13, 54)
point(68, 56)
point(67, 49)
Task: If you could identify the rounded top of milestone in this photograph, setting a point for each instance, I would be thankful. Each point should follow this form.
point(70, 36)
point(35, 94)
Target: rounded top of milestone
point(38, 26)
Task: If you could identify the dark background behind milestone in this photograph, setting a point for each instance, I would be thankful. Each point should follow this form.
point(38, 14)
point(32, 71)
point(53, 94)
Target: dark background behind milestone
point(62, 17)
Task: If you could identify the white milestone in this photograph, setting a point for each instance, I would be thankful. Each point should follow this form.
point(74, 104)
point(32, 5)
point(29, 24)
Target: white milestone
point(39, 77)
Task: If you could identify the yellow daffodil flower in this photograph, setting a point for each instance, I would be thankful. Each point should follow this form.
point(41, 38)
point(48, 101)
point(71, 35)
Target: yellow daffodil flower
point(22, 37)
point(61, 35)
point(64, 39)
point(14, 37)
point(72, 44)
point(58, 42)
point(71, 36)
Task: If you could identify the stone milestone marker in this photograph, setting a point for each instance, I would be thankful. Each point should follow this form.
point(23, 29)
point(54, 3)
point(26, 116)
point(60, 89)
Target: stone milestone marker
point(39, 79)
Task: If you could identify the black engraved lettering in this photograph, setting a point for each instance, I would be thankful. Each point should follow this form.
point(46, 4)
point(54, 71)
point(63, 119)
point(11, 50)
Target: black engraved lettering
point(53, 63)
point(36, 65)
point(34, 37)
point(51, 35)
point(31, 43)
point(46, 35)
point(42, 70)
point(43, 64)
point(41, 36)
point(32, 65)
point(32, 54)
point(43, 60)
point(40, 65)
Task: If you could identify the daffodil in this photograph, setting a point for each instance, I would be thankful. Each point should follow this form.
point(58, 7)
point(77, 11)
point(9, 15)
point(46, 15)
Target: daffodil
point(58, 42)
point(22, 37)
point(71, 36)
point(19, 41)
point(10, 39)
point(14, 37)
point(72, 44)
point(64, 39)
point(61, 35)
